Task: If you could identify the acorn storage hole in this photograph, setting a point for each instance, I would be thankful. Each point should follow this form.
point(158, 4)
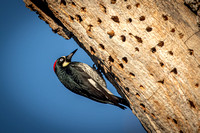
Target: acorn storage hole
point(111, 33)
point(142, 18)
point(115, 19)
point(174, 71)
point(137, 5)
point(165, 17)
point(153, 50)
point(121, 65)
point(123, 38)
point(113, 1)
point(137, 95)
point(130, 20)
point(124, 59)
point(191, 104)
point(128, 7)
point(78, 18)
point(170, 52)
point(110, 59)
point(132, 75)
point(149, 29)
point(139, 39)
point(99, 21)
point(160, 44)
point(62, 2)
point(191, 51)
point(101, 46)
point(83, 9)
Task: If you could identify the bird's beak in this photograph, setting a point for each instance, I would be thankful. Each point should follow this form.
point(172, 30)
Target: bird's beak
point(69, 57)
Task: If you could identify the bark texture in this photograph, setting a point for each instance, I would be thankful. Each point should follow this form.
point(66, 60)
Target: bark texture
point(149, 50)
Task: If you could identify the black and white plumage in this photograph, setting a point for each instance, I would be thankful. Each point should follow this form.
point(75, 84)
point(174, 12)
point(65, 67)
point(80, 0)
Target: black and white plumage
point(84, 80)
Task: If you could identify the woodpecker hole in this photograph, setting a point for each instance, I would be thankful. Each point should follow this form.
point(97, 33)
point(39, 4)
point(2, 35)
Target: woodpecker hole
point(174, 71)
point(92, 50)
point(170, 52)
point(148, 29)
point(115, 19)
point(113, 1)
point(180, 131)
point(78, 18)
point(153, 50)
point(137, 95)
point(139, 39)
point(128, 7)
point(137, 49)
point(132, 75)
point(103, 8)
point(99, 21)
point(71, 18)
point(83, 9)
point(137, 5)
point(181, 35)
point(102, 46)
point(175, 121)
point(110, 59)
point(123, 38)
point(125, 60)
point(130, 20)
point(90, 27)
point(142, 87)
point(127, 89)
point(172, 30)
point(142, 106)
point(161, 81)
point(165, 17)
point(191, 51)
point(152, 114)
point(121, 65)
point(63, 2)
point(161, 64)
point(197, 85)
point(142, 18)
point(111, 33)
point(191, 104)
point(125, 0)
point(161, 44)
point(73, 4)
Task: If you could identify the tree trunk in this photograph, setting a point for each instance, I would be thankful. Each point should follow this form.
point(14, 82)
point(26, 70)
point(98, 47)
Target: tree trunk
point(148, 49)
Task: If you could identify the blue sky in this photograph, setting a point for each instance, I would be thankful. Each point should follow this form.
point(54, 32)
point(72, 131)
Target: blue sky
point(32, 100)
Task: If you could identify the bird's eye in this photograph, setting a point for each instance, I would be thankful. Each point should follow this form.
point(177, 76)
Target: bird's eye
point(61, 59)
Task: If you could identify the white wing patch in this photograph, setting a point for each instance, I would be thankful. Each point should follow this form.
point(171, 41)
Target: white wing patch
point(92, 82)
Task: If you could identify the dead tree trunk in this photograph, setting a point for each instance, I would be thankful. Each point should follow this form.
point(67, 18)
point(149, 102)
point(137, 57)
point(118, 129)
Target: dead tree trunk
point(149, 50)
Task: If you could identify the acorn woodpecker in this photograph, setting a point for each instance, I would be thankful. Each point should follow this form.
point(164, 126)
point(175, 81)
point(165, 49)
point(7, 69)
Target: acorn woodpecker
point(86, 81)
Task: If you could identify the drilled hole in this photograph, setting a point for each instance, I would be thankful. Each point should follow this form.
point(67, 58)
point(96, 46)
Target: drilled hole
point(130, 20)
point(191, 51)
point(175, 121)
point(128, 7)
point(113, 1)
point(142, 87)
point(123, 38)
point(137, 49)
point(73, 4)
point(132, 75)
point(121, 65)
point(125, 0)
point(197, 85)
point(180, 131)
point(142, 18)
point(115, 19)
point(152, 114)
point(181, 35)
point(127, 89)
point(83, 9)
point(103, 8)
point(111, 33)
point(125, 60)
point(102, 46)
point(142, 106)
point(137, 95)
point(92, 50)
point(153, 50)
point(170, 52)
point(191, 104)
point(71, 18)
point(161, 64)
point(174, 71)
point(63, 2)
point(172, 30)
point(137, 5)
point(78, 18)
point(148, 29)
point(110, 59)
point(99, 20)
point(165, 17)
point(161, 81)
point(90, 27)
point(139, 39)
point(161, 44)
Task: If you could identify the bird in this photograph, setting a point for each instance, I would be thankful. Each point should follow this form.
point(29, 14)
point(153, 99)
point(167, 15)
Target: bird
point(86, 81)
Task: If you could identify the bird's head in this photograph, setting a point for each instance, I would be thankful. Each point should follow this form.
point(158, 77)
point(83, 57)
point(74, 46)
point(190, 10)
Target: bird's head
point(63, 61)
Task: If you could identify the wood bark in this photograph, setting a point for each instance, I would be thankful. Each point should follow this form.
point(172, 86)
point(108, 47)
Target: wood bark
point(149, 50)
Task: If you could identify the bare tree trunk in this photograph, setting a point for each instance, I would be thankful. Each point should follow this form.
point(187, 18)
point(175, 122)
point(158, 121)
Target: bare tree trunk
point(149, 50)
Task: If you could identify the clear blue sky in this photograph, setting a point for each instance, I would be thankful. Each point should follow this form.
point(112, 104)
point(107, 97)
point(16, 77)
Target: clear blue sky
point(32, 100)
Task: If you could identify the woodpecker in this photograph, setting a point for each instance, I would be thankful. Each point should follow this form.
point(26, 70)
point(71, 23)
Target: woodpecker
point(86, 81)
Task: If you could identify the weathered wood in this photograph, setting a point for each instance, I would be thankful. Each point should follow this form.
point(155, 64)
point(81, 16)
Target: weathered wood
point(151, 46)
